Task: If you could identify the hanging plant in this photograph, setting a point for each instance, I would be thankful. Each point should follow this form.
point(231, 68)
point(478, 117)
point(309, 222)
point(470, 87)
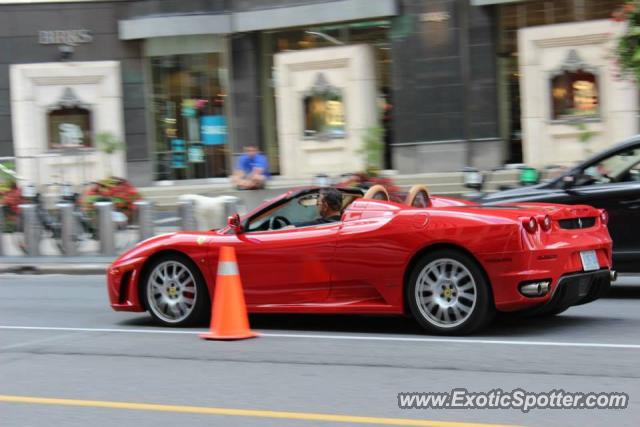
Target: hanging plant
point(628, 49)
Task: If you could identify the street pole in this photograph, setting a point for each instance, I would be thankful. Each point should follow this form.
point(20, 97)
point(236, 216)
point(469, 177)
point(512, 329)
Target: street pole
point(67, 229)
point(1, 230)
point(106, 228)
point(145, 219)
point(30, 229)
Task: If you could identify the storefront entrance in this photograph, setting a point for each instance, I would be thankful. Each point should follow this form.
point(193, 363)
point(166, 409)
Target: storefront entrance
point(188, 93)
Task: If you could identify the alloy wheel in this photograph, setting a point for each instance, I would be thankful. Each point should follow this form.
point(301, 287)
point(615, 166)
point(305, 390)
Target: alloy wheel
point(446, 293)
point(171, 291)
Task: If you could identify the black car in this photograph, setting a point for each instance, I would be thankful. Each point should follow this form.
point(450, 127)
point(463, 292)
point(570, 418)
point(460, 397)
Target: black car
point(609, 180)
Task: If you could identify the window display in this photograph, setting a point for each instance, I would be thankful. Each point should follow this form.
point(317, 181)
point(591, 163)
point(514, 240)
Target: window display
point(323, 111)
point(189, 111)
point(575, 94)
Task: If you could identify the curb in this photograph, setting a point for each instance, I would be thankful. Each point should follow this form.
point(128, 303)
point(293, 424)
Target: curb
point(87, 269)
point(55, 265)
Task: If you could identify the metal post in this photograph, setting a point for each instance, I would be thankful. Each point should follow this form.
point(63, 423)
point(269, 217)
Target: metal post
point(30, 229)
point(186, 213)
point(106, 228)
point(67, 228)
point(1, 230)
point(231, 207)
point(144, 211)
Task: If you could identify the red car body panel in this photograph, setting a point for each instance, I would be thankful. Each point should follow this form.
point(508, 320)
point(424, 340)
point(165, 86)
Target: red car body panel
point(360, 265)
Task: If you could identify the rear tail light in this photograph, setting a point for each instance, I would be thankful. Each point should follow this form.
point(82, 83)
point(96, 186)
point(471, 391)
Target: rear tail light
point(604, 217)
point(530, 224)
point(545, 222)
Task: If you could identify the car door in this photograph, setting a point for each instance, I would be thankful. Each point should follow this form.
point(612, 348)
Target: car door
point(369, 260)
point(286, 266)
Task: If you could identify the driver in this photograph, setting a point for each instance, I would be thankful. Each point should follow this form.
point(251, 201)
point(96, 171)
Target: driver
point(329, 207)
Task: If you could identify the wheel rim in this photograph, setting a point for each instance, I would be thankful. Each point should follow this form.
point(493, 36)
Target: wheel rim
point(171, 291)
point(446, 293)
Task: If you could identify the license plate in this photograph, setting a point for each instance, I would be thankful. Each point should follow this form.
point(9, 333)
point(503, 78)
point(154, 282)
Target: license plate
point(589, 260)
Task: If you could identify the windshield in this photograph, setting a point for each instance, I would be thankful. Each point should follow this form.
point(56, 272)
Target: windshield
point(620, 167)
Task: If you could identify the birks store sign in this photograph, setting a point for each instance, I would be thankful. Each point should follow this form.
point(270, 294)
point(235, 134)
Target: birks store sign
point(65, 37)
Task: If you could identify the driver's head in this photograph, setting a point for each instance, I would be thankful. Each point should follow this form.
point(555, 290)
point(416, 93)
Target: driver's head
point(330, 202)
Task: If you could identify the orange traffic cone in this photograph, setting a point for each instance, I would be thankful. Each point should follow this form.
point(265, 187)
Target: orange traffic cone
point(229, 320)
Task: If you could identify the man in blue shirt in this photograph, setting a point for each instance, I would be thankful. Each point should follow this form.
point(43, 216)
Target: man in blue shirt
point(252, 170)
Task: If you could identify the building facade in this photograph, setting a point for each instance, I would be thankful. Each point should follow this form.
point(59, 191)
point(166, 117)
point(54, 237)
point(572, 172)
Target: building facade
point(561, 95)
point(66, 81)
point(186, 84)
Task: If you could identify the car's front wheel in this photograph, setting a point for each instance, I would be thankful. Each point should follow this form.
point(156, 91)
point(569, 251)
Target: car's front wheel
point(448, 294)
point(175, 291)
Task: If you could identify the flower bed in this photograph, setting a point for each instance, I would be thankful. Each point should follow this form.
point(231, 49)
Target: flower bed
point(119, 191)
point(10, 198)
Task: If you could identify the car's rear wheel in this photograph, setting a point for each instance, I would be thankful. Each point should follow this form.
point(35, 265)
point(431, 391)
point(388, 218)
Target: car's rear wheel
point(175, 291)
point(448, 294)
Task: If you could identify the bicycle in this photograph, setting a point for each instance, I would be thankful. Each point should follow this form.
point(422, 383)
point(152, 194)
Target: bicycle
point(85, 229)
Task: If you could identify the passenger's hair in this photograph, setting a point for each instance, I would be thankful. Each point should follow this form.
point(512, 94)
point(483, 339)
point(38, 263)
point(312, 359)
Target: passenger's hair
point(332, 197)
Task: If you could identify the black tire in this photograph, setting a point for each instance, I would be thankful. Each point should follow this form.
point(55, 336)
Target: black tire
point(200, 310)
point(480, 310)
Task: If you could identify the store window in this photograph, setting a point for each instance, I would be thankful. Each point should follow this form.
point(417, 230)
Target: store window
point(69, 122)
point(575, 95)
point(189, 113)
point(515, 15)
point(323, 111)
point(70, 128)
point(324, 114)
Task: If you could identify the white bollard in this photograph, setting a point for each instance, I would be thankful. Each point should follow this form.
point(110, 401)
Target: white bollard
point(187, 216)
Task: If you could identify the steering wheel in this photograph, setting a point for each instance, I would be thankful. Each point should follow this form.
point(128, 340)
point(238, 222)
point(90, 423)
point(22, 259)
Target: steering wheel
point(277, 222)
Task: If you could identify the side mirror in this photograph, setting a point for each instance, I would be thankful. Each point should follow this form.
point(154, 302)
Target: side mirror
point(568, 181)
point(234, 223)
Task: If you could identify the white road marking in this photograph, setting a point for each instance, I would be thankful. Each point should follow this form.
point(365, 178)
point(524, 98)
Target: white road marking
point(343, 337)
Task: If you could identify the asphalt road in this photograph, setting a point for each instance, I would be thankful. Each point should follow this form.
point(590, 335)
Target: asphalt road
point(60, 340)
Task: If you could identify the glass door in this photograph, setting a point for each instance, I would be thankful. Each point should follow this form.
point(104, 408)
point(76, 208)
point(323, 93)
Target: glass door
point(188, 99)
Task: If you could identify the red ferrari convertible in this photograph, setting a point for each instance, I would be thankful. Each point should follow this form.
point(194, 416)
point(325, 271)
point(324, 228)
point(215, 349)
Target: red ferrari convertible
point(448, 263)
